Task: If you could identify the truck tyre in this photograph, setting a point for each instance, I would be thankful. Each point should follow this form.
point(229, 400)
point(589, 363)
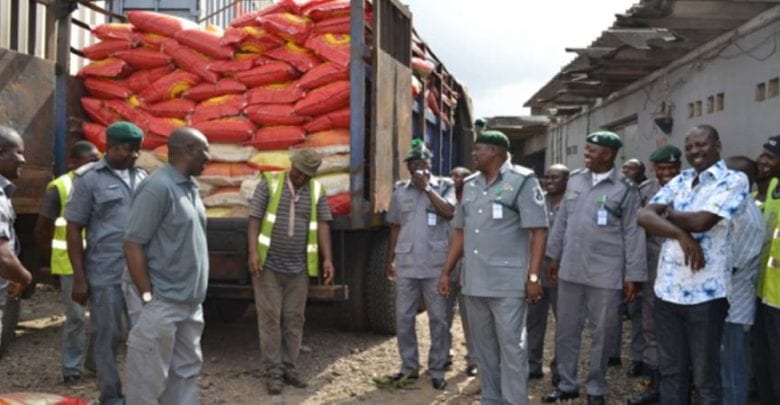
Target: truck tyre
point(351, 314)
point(379, 291)
point(10, 319)
point(224, 310)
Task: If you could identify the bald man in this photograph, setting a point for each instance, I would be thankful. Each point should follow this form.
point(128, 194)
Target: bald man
point(167, 257)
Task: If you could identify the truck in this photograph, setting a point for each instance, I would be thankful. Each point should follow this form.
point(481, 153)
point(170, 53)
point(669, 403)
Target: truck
point(40, 98)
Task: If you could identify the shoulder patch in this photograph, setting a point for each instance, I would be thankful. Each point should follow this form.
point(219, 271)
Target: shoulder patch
point(400, 183)
point(522, 170)
point(472, 176)
point(84, 169)
point(539, 196)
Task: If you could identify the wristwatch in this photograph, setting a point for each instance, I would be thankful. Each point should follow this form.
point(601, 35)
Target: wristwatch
point(428, 188)
point(146, 297)
point(534, 278)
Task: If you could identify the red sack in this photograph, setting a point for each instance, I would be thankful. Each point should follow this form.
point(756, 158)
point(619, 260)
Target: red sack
point(169, 86)
point(336, 25)
point(251, 18)
point(150, 40)
point(337, 137)
point(97, 111)
point(340, 204)
point(422, 67)
point(109, 31)
point(299, 57)
point(338, 119)
point(152, 141)
point(228, 169)
point(218, 107)
point(259, 41)
point(162, 127)
point(275, 138)
point(162, 24)
point(287, 25)
point(273, 114)
point(144, 58)
point(333, 47)
point(324, 99)
point(237, 35)
point(189, 60)
point(204, 42)
point(104, 49)
point(129, 111)
point(109, 67)
point(176, 108)
point(273, 72)
point(140, 80)
point(96, 134)
point(205, 91)
point(277, 93)
point(105, 88)
point(226, 130)
point(326, 10)
point(323, 74)
point(227, 67)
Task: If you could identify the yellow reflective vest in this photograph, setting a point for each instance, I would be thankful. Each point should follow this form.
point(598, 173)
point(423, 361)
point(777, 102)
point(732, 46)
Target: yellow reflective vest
point(60, 263)
point(768, 289)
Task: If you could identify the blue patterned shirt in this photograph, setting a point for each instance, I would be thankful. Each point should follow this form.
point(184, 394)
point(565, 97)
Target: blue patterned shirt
point(719, 191)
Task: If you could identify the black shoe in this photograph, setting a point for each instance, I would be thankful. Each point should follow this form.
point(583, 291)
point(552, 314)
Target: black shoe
point(448, 363)
point(472, 370)
point(555, 379)
point(70, 380)
point(595, 400)
point(637, 369)
point(275, 385)
point(647, 397)
point(614, 361)
point(535, 375)
point(291, 377)
point(558, 395)
point(405, 376)
point(438, 383)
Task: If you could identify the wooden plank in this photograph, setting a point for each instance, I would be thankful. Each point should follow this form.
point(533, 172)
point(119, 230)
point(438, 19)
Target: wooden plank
point(32, 21)
point(13, 41)
point(50, 33)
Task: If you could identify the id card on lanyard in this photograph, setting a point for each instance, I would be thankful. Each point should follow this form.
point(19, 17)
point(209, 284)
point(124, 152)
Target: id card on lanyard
point(601, 214)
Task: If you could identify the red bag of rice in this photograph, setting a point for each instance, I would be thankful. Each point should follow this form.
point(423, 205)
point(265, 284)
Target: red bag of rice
point(422, 67)
point(189, 60)
point(299, 57)
point(260, 43)
point(337, 137)
point(277, 137)
point(162, 24)
point(276, 93)
point(105, 88)
point(104, 49)
point(169, 86)
point(218, 107)
point(340, 204)
point(273, 72)
point(287, 25)
point(97, 111)
point(96, 134)
point(205, 42)
point(150, 40)
point(337, 25)
point(324, 99)
point(177, 108)
point(323, 11)
point(226, 130)
point(273, 114)
point(153, 141)
point(228, 67)
point(338, 119)
point(109, 31)
point(128, 110)
point(251, 19)
point(323, 74)
point(140, 80)
point(333, 47)
point(205, 91)
point(109, 67)
point(144, 58)
point(162, 127)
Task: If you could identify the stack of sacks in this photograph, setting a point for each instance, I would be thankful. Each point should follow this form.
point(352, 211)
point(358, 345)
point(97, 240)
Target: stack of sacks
point(277, 78)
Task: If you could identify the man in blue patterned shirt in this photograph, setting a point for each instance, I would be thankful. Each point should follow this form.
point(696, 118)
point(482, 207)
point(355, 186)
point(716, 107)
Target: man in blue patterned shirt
point(694, 212)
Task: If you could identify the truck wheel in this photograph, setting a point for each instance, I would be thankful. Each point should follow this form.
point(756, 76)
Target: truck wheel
point(10, 319)
point(224, 310)
point(352, 312)
point(379, 291)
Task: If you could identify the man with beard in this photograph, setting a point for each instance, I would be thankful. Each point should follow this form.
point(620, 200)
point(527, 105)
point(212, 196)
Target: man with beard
point(694, 212)
point(600, 251)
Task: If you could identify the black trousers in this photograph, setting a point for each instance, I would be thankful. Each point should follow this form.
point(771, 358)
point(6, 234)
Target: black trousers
point(766, 353)
point(689, 340)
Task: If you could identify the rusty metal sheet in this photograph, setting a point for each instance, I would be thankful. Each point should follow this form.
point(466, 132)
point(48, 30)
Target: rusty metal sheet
point(391, 127)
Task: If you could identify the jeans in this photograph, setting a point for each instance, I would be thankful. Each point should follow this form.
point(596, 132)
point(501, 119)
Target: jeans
point(689, 338)
point(766, 353)
point(734, 366)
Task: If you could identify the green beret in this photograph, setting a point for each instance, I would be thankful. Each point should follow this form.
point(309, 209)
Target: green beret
point(418, 151)
point(493, 137)
point(480, 122)
point(307, 161)
point(605, 138)
point(124, 132)
point(666, 154)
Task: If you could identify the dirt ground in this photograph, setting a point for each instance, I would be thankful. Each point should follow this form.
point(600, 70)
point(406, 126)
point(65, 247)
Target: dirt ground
point(340, 365)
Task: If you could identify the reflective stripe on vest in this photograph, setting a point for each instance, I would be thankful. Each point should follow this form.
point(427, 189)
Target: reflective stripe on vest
point(768, 288)
point(275, 186)
point(60, 263)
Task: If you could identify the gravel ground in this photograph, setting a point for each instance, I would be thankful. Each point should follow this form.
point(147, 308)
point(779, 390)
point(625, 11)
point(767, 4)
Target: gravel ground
point(340, 365)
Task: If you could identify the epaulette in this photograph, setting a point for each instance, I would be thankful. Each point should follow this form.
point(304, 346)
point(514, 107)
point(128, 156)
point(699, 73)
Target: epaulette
point(400, 183)
point(84, 169)
point(522, 170)
point(141, 169)
point(576, 172)
point(472, 176)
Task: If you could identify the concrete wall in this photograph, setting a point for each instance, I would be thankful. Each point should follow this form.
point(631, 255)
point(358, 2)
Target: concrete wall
point(733, 71)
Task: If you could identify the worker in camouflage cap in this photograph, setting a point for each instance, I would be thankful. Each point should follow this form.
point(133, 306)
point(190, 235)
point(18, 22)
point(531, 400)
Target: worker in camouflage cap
point(605, 138)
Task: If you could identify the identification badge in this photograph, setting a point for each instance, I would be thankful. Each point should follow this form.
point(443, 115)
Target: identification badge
point(601, 217)
point(431, 219)
point(498, 211)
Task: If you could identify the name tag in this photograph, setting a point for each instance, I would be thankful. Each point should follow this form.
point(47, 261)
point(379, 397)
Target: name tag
point(601, 217)
point(431, 219)
point(498, 211)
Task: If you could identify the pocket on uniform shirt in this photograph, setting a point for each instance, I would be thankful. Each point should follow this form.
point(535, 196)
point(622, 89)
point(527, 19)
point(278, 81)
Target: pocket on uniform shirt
point(438, 252)
point(403, 255)
point(107, 196)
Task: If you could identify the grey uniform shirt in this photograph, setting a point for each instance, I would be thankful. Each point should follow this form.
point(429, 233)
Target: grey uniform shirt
point(601, 256)
point(551, 211)
point(495, 249)
point(168, 219)
point(100, 201)
point(422, 244)
point(287, 254)
point(646, 192)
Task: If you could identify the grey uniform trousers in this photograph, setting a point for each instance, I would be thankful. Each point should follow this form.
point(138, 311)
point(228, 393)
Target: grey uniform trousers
point(498, 331)
point(75, 344)
point(578, 303)
point(637, 344)
point(537, 327)
point(650, 348)
point(408, 292)
point(280, 301)
point(107, 308)
point(163, 354)
point(456, 296)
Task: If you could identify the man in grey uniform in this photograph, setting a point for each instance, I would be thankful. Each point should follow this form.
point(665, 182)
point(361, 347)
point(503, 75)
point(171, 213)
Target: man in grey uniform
point(11, 269)
point(100, 202)
point(167, 257)
point(600, 250)
point(419, 214)
point(666, 165)
point(500, 229)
